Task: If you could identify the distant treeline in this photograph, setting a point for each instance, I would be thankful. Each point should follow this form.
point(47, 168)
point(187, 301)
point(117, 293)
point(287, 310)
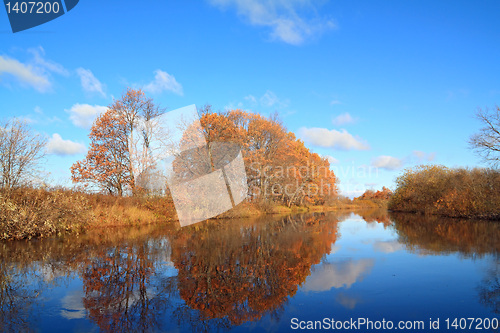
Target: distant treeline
point(458, 192)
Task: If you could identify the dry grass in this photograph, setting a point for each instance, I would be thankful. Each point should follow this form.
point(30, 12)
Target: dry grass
point(118, 215)
point(244, 209)
point(28, 213)
point(32, 213)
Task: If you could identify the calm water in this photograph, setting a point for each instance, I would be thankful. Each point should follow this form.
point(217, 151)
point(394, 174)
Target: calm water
point(255, 275)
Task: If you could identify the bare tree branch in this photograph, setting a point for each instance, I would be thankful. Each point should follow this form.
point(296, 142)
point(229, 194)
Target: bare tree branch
point(21, 151)
point(486, 142)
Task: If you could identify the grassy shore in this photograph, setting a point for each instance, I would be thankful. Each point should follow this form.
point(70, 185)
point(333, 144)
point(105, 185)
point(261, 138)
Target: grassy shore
point(27, 213)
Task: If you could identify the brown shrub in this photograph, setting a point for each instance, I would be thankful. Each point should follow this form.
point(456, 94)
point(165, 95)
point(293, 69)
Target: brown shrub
point(448, 192)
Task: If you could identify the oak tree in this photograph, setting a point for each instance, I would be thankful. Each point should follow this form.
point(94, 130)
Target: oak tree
point(119, 150)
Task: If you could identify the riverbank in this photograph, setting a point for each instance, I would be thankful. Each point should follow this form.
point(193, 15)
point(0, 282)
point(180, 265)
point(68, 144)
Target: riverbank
point(28, 213)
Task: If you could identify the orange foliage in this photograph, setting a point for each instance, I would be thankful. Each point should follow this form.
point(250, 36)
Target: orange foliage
point(108, 164)
point(384, 194)
point(279, 167)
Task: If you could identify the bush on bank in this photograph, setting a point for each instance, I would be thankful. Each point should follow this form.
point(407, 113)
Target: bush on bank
point(455, 192)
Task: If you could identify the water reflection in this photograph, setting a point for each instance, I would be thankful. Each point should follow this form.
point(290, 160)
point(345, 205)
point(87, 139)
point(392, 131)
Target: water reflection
point(347, 301)
point(489, 289)
point(390, 246)
point(375, 215)
point(438, 235)
point(224, 274)
point(72, 305)
point(243, 272)
point(341, 274)
point(122, 294)
point(471, 239)
point(233, 272)
point(15, 298)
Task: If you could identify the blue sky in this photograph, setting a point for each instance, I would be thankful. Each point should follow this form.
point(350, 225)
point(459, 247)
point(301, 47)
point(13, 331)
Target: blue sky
point(386, 84)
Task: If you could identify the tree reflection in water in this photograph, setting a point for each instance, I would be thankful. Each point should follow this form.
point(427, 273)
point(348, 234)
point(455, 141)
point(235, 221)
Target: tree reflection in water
point(15, 299)
point(377, 214)
point(470, 238)
point(120, 294)
point(434, 234)
point(211, 275)
point(489, 289)
point(229, 272)
point(241, 272)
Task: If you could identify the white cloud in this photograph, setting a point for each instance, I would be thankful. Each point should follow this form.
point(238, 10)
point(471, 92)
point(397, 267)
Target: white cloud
point(83, 115)
point(72, 306)
point(335, 102)
point(338, 275)
point(270, 99)
point(347, 301)
point(34, 73)
point(351, 193)
point(89, 82)
point(251, 99)
point(58, 146)
point(326, 138)
point(163, 82)
point(287, 20)
point(232, 106)
point(343, 119)
point(48, 65)
point(331, 159)
point(387, 162)
point(26, 74)
point(388, 246)
point(421, 156)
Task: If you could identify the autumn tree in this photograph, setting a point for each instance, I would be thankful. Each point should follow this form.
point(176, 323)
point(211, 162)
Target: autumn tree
point(107, 164)
point(119, 150)
point(384, 194)
point(487, 141)
point(138, 114)
point(278, 166)
point(21, 151)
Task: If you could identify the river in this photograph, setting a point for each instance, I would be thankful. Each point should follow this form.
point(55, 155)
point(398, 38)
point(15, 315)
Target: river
point(273, 274)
